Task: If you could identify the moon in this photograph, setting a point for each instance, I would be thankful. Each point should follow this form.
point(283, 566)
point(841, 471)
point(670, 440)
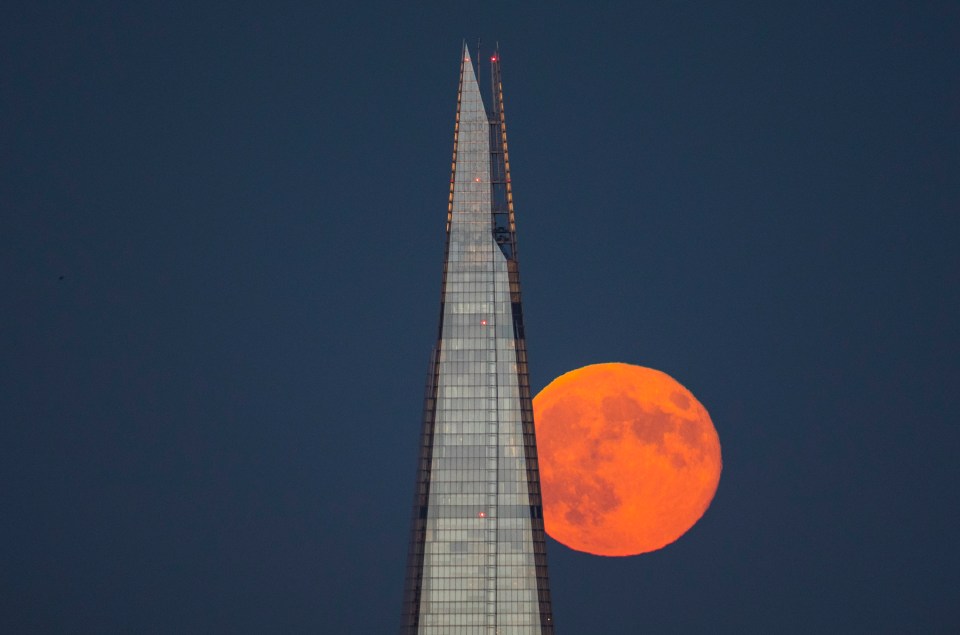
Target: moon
point(629, 459)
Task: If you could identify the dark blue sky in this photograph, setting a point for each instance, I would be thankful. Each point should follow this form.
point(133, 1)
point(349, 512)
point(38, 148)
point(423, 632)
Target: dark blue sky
point(221, 238)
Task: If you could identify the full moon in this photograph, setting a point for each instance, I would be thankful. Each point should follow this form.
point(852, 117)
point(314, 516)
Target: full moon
point(629, 459)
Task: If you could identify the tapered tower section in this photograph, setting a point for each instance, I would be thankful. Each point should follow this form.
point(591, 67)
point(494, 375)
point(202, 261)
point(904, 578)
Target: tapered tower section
point(477, 563)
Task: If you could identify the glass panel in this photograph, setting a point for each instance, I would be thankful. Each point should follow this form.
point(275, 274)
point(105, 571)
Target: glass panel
point(476, 553)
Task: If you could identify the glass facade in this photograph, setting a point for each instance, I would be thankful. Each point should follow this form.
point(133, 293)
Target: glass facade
point(477, 562)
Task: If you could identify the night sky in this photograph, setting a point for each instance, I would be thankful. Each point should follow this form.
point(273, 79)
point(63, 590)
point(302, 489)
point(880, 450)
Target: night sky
point(221, 241)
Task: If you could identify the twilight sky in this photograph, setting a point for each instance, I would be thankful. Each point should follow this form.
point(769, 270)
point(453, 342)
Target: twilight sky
point(221, 239)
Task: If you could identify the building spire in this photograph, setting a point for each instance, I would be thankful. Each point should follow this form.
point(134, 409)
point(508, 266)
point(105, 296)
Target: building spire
point(477, 559)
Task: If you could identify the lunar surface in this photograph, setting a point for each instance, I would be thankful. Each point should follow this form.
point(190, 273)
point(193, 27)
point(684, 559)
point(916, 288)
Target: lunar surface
point(629, 459)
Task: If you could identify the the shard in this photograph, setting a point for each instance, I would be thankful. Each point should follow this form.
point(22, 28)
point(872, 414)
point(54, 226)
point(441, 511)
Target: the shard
point(477, 559)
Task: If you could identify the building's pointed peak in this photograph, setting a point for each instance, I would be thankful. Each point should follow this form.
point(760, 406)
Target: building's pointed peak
point(469, 85)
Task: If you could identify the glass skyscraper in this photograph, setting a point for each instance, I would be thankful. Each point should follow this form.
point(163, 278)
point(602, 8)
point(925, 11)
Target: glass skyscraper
point(477, 561)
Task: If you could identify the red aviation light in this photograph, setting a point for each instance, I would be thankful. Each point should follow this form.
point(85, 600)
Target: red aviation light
point(483, 322)
point(481, 514)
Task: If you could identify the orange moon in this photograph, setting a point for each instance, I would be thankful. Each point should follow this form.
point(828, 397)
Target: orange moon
point(629, 459)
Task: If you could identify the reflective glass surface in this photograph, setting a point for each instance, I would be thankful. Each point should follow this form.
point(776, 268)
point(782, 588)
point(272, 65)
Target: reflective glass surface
point(477, 563)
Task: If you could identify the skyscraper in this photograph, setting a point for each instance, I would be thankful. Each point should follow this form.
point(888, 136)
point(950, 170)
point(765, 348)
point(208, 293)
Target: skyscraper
point(477, 560)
